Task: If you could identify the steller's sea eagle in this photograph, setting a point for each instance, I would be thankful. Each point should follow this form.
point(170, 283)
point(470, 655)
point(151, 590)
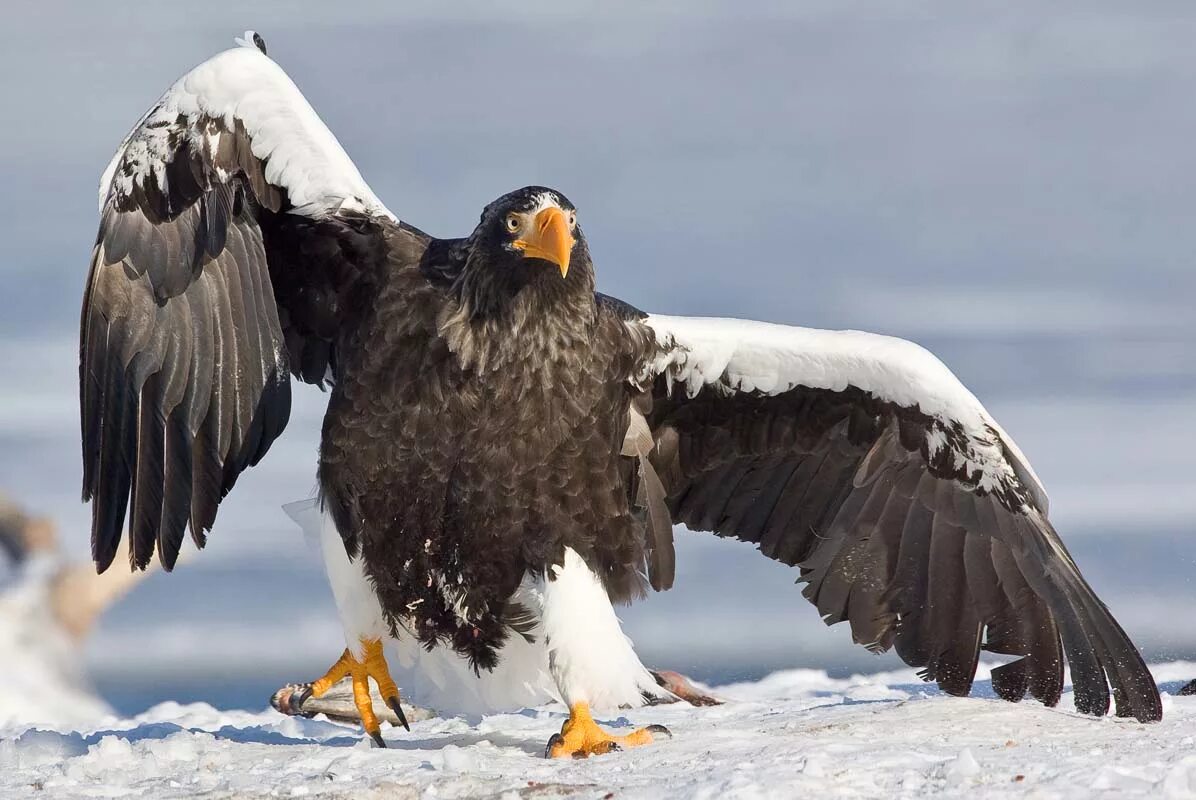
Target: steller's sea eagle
point(505, 451)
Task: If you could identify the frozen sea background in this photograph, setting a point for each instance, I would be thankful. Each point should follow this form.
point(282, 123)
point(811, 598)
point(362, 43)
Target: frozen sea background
point(1010, 185)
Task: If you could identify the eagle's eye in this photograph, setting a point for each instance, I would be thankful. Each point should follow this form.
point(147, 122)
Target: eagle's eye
point(512, 222)
point(572, 220)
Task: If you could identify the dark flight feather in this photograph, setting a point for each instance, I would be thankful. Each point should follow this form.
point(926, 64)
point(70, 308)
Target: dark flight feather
point(204, 294)
point(478, 426)
point(901, 545)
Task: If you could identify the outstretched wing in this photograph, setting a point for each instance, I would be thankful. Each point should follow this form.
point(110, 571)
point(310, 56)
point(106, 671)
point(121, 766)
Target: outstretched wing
point(911, 515)
point(237, 241)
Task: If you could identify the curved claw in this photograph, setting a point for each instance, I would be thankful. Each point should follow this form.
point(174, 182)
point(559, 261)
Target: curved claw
point(393, 702)
point(553, 741)
point(372, 664)
point(659, 729)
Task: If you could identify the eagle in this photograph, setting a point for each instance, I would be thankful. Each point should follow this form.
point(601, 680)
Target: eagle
point(505, 450)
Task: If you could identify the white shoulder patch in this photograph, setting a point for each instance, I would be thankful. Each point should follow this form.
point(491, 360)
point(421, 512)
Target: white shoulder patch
point(746, 356)
point(244, 85)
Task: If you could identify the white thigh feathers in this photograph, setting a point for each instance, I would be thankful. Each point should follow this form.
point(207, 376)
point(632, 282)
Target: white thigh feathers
point(438, 679)
point(591, 659)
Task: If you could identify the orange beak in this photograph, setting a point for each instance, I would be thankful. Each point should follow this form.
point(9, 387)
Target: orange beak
point(549, 239)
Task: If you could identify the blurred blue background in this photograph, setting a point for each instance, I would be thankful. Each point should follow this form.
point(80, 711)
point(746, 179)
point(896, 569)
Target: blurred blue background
point(1009, 184)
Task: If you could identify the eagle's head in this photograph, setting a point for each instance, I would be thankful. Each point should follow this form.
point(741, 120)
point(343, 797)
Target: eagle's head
point(528, 230)
point(527, 247)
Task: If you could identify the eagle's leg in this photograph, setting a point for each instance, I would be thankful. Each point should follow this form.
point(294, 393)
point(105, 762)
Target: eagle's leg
point(592, 662)
point(371, 664)
point(362, 618)
point(581, 737)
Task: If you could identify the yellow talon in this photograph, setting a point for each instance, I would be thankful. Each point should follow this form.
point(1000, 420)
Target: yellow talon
point(581, 737)
point(337, 671)
point(373, 665)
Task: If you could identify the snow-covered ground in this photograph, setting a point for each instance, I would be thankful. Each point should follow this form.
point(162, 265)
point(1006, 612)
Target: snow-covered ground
point(794, 734)
point(927, 182)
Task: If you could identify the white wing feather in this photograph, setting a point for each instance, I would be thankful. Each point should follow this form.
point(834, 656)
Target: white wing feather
point(747, 356)
point(243, 84)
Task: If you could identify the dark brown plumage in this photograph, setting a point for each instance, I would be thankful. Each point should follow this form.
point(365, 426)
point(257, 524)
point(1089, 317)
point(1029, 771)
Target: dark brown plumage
point(911, 555)
point(489, 410)
point(495, 405)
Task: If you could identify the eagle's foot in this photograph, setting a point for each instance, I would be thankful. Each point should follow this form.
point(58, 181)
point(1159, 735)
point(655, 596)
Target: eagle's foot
point(580, 736)
point(372, 665)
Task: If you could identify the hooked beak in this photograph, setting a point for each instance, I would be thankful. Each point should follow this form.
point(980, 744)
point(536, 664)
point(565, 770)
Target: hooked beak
point(549, 239)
